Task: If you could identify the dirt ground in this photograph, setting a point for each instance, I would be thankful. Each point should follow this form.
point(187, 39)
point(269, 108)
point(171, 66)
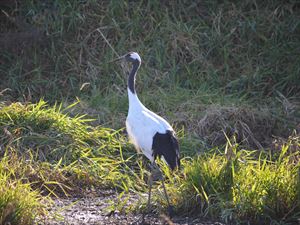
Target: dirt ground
point(95, 211)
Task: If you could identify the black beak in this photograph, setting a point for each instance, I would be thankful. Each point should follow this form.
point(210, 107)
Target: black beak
point(117, 59)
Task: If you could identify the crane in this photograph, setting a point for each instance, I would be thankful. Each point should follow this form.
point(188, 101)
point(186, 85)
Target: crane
point(149, 132)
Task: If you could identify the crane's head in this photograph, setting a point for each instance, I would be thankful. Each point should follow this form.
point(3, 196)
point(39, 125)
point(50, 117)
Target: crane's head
point(132, 57)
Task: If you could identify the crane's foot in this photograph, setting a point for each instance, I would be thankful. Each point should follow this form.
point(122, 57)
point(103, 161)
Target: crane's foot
point(141, 221)
point(171, 212)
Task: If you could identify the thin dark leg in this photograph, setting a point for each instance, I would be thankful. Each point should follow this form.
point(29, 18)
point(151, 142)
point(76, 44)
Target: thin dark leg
point(149, 193)
point(150, 182)
point(165, 191)
point(170, 207)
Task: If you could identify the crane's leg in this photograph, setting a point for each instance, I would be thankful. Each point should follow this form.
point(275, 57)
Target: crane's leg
point(149, 193)
point(150, 182)
point(170, 207)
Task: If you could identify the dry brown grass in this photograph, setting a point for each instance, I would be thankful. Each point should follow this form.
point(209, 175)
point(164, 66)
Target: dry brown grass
point(251, 127)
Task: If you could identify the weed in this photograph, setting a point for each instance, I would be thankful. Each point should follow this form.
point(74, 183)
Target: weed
point(55, 155)
point(19, 203)
point(243, 188)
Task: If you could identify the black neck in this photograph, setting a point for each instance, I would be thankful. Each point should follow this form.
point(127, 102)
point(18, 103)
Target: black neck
point(131, 78)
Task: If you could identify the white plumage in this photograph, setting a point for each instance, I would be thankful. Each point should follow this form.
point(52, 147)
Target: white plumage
point(142, 125)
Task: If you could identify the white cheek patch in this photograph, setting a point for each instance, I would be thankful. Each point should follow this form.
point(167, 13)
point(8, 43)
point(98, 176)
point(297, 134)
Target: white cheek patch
point(135, 56)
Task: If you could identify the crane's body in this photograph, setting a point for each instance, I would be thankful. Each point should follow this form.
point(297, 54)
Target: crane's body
point(149, 132)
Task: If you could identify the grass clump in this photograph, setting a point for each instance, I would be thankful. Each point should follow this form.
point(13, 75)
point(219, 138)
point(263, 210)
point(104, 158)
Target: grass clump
point(19, 203)
point(251, 127)
point(52, 141)
point(47, 130)
point(48, 153)
point(267, 190)
point(242, 187)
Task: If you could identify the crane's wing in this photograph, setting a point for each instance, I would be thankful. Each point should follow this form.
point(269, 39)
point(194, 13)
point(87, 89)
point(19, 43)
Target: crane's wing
point(166, 145)
point(141, 128)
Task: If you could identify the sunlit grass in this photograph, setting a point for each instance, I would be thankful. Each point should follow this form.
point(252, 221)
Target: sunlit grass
point(240, 187)
point(233, 186)
point(19, 202)
point(51, 154)
point(39, 133)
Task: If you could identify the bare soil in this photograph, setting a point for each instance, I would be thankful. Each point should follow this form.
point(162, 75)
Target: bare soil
point(98, 210)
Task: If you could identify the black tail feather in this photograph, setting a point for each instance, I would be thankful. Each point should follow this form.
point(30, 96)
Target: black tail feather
point(166, 145)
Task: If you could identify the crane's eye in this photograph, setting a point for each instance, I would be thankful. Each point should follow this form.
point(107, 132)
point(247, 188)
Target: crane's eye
point(128, 56)
point(132, 56)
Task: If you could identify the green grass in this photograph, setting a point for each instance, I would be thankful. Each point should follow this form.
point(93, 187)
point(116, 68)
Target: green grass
point(235, 186)
point(19, 202)
point(242, 189)
point(236, 54)
point(39, 133)
point(45, 150)
point(208, 49)
point(224, 72)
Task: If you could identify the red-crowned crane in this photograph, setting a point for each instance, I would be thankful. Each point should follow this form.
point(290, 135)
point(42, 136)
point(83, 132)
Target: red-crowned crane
point(149, 132)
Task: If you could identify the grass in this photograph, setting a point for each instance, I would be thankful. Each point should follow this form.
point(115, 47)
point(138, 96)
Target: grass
point(243, 188)
point(206, 50)
point(226, 73)
point(19, 203)
point(240, 55)
point(66, 145)
point(48, 153)
point(235, 186)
